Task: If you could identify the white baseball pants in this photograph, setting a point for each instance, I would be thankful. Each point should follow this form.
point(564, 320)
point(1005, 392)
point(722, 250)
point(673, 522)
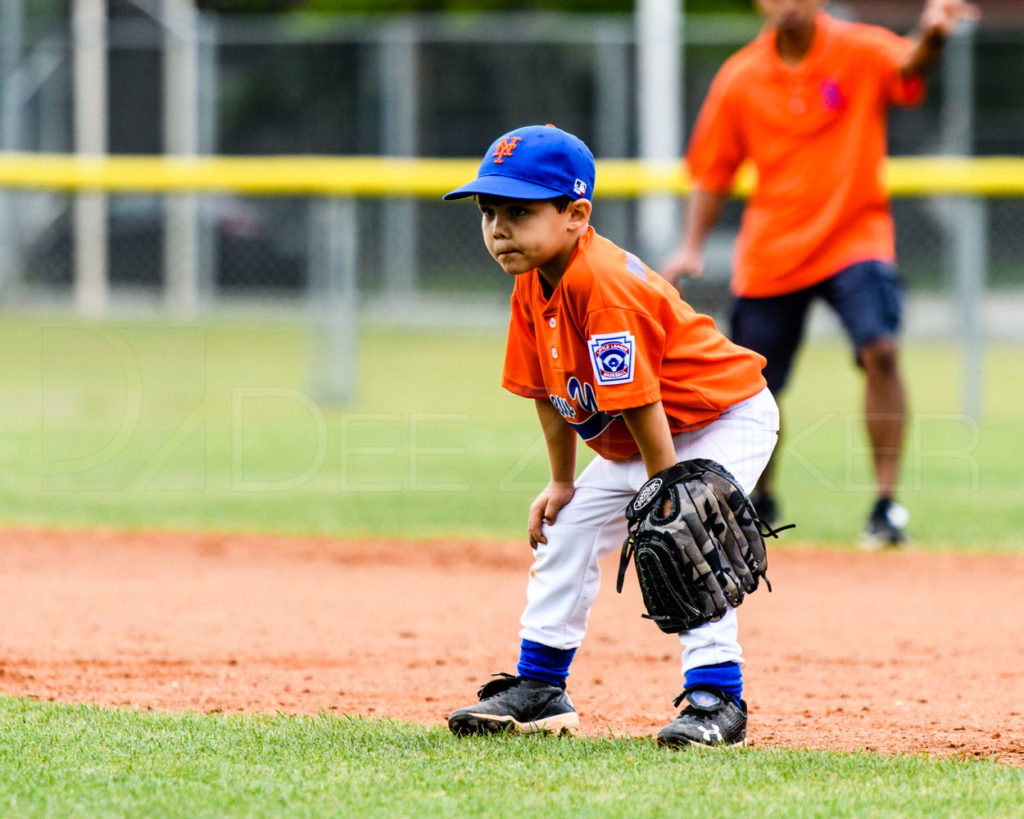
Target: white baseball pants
point(566, 573)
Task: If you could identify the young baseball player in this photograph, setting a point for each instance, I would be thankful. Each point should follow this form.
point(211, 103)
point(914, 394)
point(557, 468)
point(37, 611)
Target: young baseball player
point(610, 354)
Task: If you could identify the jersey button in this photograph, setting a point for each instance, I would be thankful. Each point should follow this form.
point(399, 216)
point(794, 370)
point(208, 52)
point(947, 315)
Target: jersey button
point(554, 352)
point(552, 323)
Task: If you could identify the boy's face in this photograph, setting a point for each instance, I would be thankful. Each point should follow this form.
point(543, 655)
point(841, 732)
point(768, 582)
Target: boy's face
point(523, 234)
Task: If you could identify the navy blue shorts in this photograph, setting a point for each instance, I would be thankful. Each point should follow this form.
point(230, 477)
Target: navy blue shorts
point(867, 297)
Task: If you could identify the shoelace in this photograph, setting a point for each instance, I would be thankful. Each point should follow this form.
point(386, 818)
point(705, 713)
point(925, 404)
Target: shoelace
point(767, 530)
point(690, 709)
point(495, 687)
point(676, 702)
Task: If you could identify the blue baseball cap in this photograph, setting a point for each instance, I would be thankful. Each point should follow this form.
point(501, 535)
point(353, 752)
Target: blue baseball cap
point(534, 162)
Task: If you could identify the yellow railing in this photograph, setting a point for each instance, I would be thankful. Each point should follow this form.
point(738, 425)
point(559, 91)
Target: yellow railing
point(418, 177)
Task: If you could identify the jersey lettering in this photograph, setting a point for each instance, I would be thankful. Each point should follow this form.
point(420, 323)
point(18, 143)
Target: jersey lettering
point(565, 409)
point(594, 425)
point(583, 394)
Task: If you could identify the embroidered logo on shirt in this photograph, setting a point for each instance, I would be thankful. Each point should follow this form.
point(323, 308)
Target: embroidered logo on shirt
point(505, 148)
point(611, 355)
point(832, 95)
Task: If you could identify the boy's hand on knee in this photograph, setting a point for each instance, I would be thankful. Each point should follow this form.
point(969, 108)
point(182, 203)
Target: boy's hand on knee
point(546, 508)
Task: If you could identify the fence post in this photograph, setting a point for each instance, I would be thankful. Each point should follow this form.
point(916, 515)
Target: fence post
point(181, 139)
point(970, 244)
point(612, 88)
point(207, 128)
point(332, 271)
point(399, 114)
point(92, 287)
point(12, 13)
point(968, 234)
point(659, 50)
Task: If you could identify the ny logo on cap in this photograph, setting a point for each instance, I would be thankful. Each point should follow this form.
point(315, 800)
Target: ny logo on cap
point(505, 148)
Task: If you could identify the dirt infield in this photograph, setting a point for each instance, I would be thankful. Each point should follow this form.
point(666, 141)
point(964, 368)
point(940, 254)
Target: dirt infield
point(897, 653)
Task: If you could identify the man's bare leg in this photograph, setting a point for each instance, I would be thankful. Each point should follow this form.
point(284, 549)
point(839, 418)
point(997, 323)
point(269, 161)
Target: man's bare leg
point(885, 415)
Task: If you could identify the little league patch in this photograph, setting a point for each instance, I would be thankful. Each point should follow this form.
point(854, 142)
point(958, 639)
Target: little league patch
point(611, 355)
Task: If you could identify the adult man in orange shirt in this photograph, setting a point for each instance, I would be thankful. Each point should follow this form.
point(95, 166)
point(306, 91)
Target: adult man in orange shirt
point(806, 103)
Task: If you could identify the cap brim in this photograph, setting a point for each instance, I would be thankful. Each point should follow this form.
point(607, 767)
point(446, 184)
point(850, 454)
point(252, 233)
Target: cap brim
point(507, 186)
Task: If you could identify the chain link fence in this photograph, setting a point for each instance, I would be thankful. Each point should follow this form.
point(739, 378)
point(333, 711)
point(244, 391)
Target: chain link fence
point(424, 86)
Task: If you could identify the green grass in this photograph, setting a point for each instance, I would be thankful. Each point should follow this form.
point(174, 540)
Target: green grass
point(214, 426)
point(83, 761)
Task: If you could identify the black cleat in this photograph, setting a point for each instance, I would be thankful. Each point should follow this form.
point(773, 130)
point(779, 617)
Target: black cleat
point(517, 704)
point(710, 718)
point(886, 527)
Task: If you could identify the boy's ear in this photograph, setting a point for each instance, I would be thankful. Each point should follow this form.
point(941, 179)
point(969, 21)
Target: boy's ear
point(579, 212)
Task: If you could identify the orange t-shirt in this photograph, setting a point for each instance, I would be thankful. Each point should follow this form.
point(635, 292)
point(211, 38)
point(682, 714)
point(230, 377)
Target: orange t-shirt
point(615, 335)
point(816, 133)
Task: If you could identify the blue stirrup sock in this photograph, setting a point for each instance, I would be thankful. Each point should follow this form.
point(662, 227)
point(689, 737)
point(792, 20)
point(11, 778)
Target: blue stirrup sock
point(551, 665)
point(541, 662)
point(727, 677)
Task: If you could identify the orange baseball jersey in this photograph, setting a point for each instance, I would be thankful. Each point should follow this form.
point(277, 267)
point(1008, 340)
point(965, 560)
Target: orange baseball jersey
point(615, 335)
point(816, 133)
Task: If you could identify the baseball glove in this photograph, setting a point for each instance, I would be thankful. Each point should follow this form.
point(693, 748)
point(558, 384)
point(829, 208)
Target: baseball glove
point(698, 554)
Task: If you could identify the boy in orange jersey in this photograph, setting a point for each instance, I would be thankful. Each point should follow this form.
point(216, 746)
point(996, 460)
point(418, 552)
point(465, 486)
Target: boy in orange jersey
point(609, 353)
point(806, 103)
